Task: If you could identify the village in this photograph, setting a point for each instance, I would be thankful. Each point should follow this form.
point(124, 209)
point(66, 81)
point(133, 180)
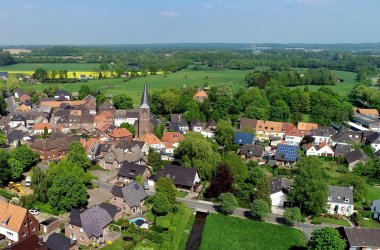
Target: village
point(120, 146)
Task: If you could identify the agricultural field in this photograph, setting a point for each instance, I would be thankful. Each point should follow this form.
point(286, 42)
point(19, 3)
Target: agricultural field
point(225, 232)
point(344, 88)
point(134, 87)
point(31, 67)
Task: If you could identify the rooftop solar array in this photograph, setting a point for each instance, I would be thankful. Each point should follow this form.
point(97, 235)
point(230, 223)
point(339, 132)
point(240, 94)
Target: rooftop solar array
point(286, 153)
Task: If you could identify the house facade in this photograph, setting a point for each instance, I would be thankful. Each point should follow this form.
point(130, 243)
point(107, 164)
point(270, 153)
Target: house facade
point(130, 199)
point(340, 200)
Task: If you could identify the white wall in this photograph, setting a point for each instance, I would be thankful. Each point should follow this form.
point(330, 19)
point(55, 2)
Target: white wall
point(278, 199)
point(7, 232)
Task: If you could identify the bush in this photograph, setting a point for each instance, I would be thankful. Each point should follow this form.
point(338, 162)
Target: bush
point(292, 215)
point(228, 203)
point(157, 229)
point(28, 201)
point(260, 209)
point(6, 194)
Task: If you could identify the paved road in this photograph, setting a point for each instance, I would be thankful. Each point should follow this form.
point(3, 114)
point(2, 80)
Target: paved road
point(11, 104)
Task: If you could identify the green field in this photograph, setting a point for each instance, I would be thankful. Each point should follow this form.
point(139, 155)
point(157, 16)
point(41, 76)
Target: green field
point(373, 193)
point(51, 66)
point(135, 86)
point(223, 232)
point(343, 88)
point(332, 221)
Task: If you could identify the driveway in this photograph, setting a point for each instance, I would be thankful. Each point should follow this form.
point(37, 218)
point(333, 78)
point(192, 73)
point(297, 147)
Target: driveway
point(97, 196)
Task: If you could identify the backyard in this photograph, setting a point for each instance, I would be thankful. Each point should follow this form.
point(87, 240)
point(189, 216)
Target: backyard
point(223, 232)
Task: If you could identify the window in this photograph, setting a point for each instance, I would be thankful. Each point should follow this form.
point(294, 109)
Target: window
point(329, 198)
point(71, 227)
point(9, 233)
point(25, 224)
point(346, 200)
point(81, 238)
point(34, 229)
point(30, 221)
point(81, 230)
point(23, 234)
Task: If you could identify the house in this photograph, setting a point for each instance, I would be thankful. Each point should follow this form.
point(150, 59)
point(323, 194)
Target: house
point(23, 108)
point(58, 241)
point(279, 188)
point(90, 104)
point(286, 154)
point(322, 149)
point(126, 116)
point(346, 137)
point(267, 129)
point(340, 200)
point(360, 238)
point(130, 199)
point(251, 152)
point(152, 141)
point(366, 122)
point(82, 77)
point(293, 136)
point(341, 150)
point(197, 126)
point(16, 120)
point(200, 96)
point(354, 157)
point(120, 134)
point(17, 223)
point(108, 110)
point(322, 134)
point(209, 130)
point(52, 148)
point(133, 146)
point(177, 121)
point(93, 149)
point(15, 137)
point(306, 127)
point(32, 242)
point(374, 140)
point(25, 98)
point(113, 159)
point(39, 128)
point(18, 93)
point(129, 171)
point(173, 137)
point(62, 93)
point(91, 225)
point(373, 113)
point(4, 75)
point(243, 138)
point(183, 177)
point(50, 224)
point(375, 209)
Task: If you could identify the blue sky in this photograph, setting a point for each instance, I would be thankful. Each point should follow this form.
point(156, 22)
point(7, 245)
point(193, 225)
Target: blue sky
point(175, 21)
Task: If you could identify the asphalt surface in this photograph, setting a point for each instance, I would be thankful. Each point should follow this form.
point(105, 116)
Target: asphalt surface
point(11, 104)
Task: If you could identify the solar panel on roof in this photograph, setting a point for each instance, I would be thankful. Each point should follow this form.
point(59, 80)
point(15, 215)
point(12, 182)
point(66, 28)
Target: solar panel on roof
point(287, 152)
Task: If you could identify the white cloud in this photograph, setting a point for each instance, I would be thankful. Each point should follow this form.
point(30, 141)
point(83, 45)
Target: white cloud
point(169, 13)
point(28, 6)
point(207, 5)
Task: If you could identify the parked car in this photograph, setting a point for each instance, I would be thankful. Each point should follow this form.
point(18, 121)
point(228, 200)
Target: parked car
point(34, 211)
point(28, 181)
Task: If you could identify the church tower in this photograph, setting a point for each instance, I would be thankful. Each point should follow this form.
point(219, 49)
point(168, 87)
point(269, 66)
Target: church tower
point(145, 125)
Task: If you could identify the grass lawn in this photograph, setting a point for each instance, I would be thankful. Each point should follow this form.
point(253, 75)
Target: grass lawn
point(331, 221)
point(51, 66)
point(343, 88)
point(224, 232)
point(182, 194)
point(373, 193)
point(134, 87)
point(333, 168)
point(371, 223)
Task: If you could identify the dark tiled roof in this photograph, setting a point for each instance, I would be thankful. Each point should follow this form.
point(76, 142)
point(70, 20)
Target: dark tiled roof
point(180, 175)
point(58, 241)
point(248, 123)
point(278, 184)
point(347, 137)
point(340, 194)
point(133, 194)
point(106, 105)
point(250, 150)
point(133, 114)
point(362, 237)
point(75, 217)
point(131, 170)
point(179, 120)
point(373, 138)
point(111, 209)
point(197, 123)
point(17, 118)
point(30, 242)
point(129, 145)
point(342, 149)
point(322, 131)
point(15, 135)
point(356, 155)
point(62, 92)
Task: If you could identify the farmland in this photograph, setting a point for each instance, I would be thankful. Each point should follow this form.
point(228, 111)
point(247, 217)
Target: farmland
point(222, 232)
point(51, 66)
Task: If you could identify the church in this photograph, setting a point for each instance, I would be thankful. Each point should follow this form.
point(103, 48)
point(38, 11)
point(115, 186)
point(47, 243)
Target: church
point(145, 122)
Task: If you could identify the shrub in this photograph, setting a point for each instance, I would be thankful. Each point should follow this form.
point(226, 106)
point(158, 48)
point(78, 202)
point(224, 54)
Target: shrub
point(292, 215)
point(157, 228)
point(228, 203)
point(260, 209)
point(6, 194)
point(28, 201)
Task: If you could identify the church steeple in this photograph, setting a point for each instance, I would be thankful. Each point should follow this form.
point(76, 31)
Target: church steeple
point(145, 97)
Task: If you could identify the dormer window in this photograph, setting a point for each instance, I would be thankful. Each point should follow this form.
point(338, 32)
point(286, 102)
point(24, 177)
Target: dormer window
point(329, 198)
point(346, 200)
point(132, 172)
point(338, 197)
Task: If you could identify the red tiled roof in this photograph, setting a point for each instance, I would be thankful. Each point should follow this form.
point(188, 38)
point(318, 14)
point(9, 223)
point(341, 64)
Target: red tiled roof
point(120, 132)
point(172, 137)
point(41, 126)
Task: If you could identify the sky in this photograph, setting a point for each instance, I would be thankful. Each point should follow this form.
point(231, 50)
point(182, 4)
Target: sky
point(27, 22)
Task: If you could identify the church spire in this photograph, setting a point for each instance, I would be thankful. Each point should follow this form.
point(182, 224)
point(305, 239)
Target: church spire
point(145, 97)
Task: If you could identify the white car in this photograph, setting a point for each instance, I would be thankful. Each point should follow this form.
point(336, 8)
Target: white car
point(34, 211)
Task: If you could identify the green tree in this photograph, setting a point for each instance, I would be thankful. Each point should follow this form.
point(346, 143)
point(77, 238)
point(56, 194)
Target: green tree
point(167, 188)
point(326, 238)
point(236, 165)
point(161, 204)
point(224, 133)
point(358, 183)
point(25, 155)
point(40, 74)
point(159, 130)
point(196, 151)
point(16, 168)
point(122, 101)
point(67, 191)
point(279, 111)
point(3, 138)
point(227, 203)
point(260, 209)
point(3, 105)
point(154, 160)
point(78, 156)
point(5, 172)
point(309, 190)
point(39, 184)
point(129, 127)
point(84, 91)
point(292, 215)
point(261, 184)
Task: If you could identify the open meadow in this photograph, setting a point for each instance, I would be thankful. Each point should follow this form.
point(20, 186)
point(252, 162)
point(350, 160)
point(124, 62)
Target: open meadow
point(227, 232)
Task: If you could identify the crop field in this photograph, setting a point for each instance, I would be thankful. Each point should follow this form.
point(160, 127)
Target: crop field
point(135, 86)
point(227, 232)
point(31, 67)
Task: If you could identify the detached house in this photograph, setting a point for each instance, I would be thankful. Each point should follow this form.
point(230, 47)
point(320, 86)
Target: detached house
point(360, 238)
point(243, 138)
point(17, 223)
point(286, 154)
point(130, 199)
point(52, 148)
point(91, 225)
point(322, 149)
point(322, 134)
point(197, 126)
point(340, 200)
point(39, 128)
point(152, 141)
point(251, 152)
point(279, 188)
point(129, 171)
point(178, 123)
point(16, 120)
point(200, 96)
point(120, 134)
point(293, 136)
point(373, 113)
point(354, 157)
point(183, 177)
point(374, 140)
